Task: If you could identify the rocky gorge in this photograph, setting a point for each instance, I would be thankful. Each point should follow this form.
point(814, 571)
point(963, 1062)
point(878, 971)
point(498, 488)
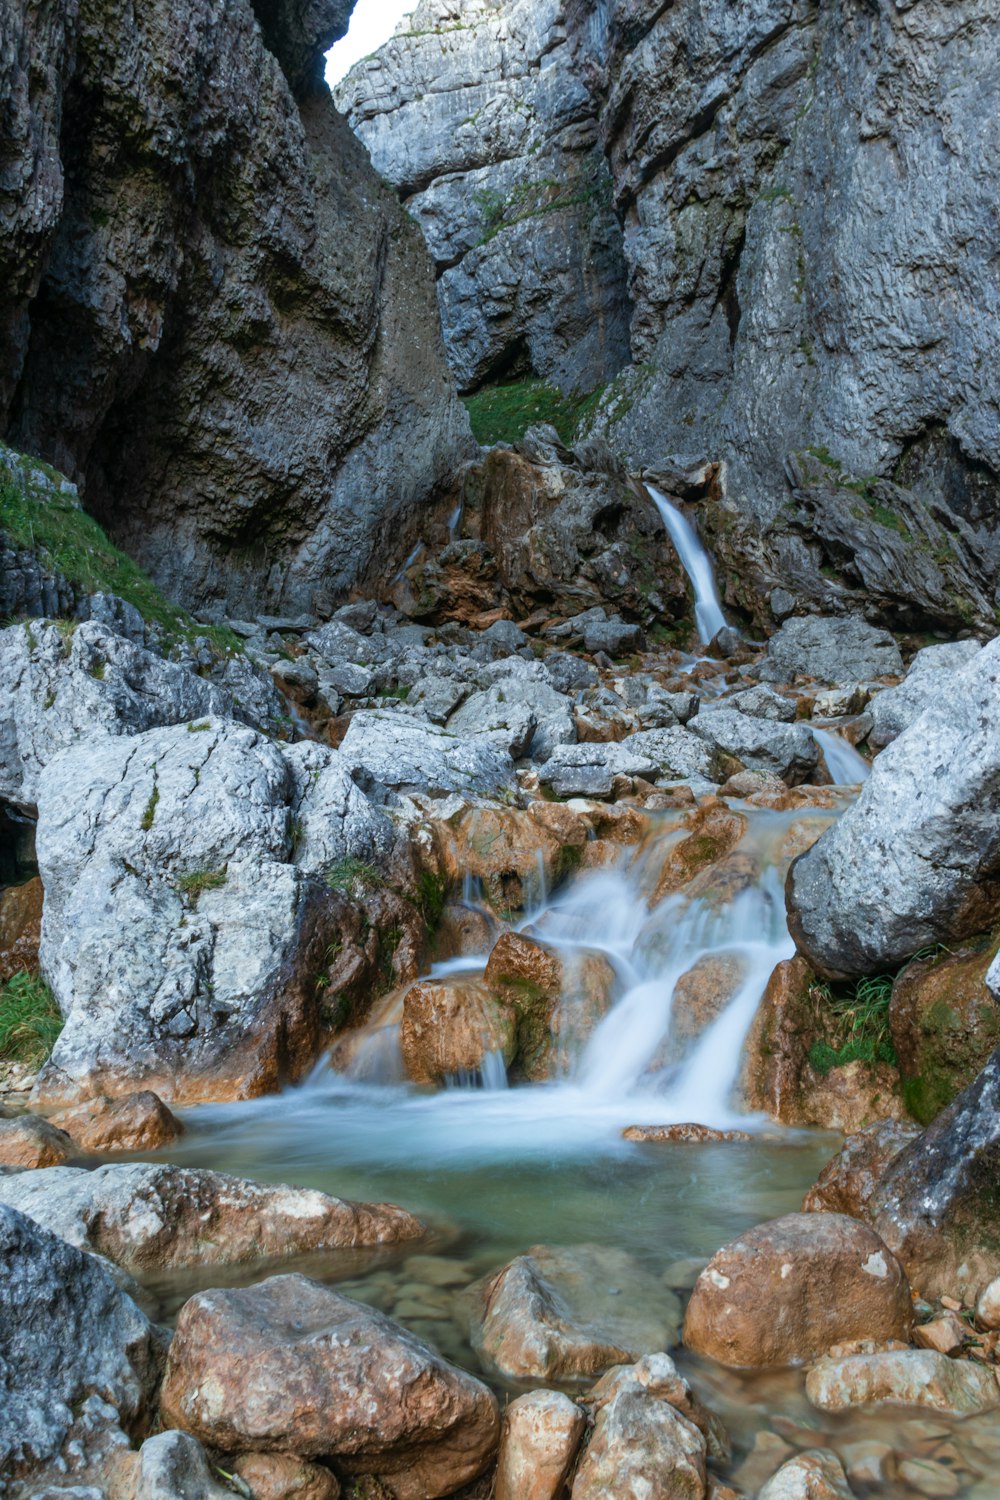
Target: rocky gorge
point(499, 898)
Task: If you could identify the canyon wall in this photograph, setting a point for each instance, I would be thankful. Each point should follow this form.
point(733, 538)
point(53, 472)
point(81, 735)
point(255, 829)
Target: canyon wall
point(215, 317)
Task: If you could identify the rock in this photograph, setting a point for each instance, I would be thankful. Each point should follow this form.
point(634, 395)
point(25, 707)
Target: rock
point(837, 650)
point(763, 702)
point(81, 1364)
point(945, 1023)
point(557, 996)
point(135, 1122)
point(850, 1183)
point(784, 1292)
point(657, 1375)
point(569, 1313)
point(988, 1304)
point(398, 752)
point(373, 374)
point(712, 833)
point(439, 697)
point(568, 673)
point(908, 1377)
point(181, 941)
point(641, 1445)
point(895, 709)
point(173, 1466)
point(452, 1027)
point(29, 1141)
point(499, 713)
point(789, 750)
point(20, 928)
point(333, 1380)
point(538, 1441)
point(816, 1475)
point(676, 752)
point(946, 1334)
point(276, 1476)
point(697, 1135)
point(509, 849)
point(613, 637)
point(153, 1218)
point(590, 770)
point(913, 861)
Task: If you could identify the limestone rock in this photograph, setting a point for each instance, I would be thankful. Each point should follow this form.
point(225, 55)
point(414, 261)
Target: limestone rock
point(914, 860)
point(398, 752)
point(568, 1313)
point(909, 1377)
point(538, 1441)
point(29, 1141)
point(641, 1446)
point(451, 1027)
point(590, 770)
point(850, 1183)
point(81, 1363)
point(276, 1476)
point(816, 1475)
point(657, 1375)
point(135, 1122)
point(158, 1218)
point(676, 751)
point(789, 750)
point(945, 1023)
point(837, 650)
point(895, 709)
point(332, 1379)
point(785, 1291)
point(173, 1466)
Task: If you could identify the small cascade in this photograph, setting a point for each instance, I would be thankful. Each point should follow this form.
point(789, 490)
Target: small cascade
point(845, 764)
point(697, 564)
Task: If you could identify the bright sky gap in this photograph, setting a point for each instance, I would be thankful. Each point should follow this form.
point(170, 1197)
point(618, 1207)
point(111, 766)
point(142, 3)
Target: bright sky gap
point(372, 25)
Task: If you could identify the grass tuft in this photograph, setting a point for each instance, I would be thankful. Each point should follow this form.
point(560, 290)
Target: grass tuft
point(862, 1015)
point(196, 882)
point(353, 877)
point(30, 1020)
point(503, 413)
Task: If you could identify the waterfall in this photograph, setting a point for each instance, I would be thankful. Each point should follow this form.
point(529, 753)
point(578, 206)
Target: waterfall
point(844, 763)
point(697, 564)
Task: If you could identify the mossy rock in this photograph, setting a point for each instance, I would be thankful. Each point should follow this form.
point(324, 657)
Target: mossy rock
point(945, 1024)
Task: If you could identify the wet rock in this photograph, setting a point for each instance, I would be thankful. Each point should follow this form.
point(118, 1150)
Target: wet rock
point(81, 1363)
point(913, 862)
point(29, 1141)
point(659, 1377)
point(945, 1023)
point(641, 1445)
point(908, 1377)
point(451, 1027)
point(696, 1135)
point(464, 931)
point(568, 1313)
point(538, 1441)
point(510, 850)
point(789, 750)
point(785, 1291)
point(851, 1182)
point(843, 649)
point(817, 1475)
point(332, 1380)
point(590, 770)
point(398, 752)
point(558, 998)
point(20, 928)
point(895, 709)
point(156, 1218)
point(276, 1476)
point(713, 832)
point(135, 1122)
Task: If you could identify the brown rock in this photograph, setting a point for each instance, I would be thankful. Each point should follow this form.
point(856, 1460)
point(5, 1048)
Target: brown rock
point(451, 1026)
point(502, 847)
point(714, 831)
point(908, 1377)
point(945, 1023)
point(641, 1446)
point(568, 1313)
point(946, 1334)
point(29, 1141)
point(558, 998)
point(700, 997)
point(785, 1291)
point(538, 1441)
point(20, 928)
point(684, 1134)
point(135, 1122)
point(290, 1366)
point(849, 1183)
point(278, 1476)
point(817, 1475)
point(464, 930)
point(659, 1377)
point(988, 1304)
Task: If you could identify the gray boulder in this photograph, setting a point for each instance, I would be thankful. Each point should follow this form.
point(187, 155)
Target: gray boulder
point(399, 753)
point(839, 649)
point(762, 702)
point(79, 1363)
point(675, 751)
point(499, 713)
point(590, 770)
point(528, 696)
point(788, 750)
point(916, 860)
point(173, 1466)
point(614, 637)
point(895, 709)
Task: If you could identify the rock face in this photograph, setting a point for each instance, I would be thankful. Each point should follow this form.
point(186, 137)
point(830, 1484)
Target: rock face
point(332, 1379)
point(475, 115)
point(784, 1292)
point(832, 650)
point(720, 125)
point(916, 860)
point(81, 1363)
point(155, 1218)
point(236, 286)
point(945, 1024)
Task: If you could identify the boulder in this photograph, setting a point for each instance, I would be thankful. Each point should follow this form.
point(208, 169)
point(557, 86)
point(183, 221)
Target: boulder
point(451, 1027)
point(677, 753)
point(842, 649)
point(152, 1218)
point(945, 1023)
point(20, 928)
point(659, 1377)
point(558, 996)
point(714, 831)
point(789, 750)
point(399, 753)
point(851, 1182)
point(510, 850)
point(904, 1377)
point(916, 860)
point(590, 770)
point(641, 1445)
point(784, 1292)
point(763, 702)
point(277, 1476)
point(700, 996)
point(565, 1314)
point(172, 1466)
point(816, 1475)
point(332, 1379)
point(501, 714)
point(79, 1363)
point(29, 1141)
point(988, 1304)
point(894, 709)
point(135, 1122)
point(538, 1441)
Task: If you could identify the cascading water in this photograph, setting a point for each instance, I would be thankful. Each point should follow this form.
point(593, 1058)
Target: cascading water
point(844, 763)
point(696, 563)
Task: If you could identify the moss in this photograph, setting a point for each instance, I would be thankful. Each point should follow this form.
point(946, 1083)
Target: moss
point(149, 813)
point(432, 895)
point(30, 1020)
point(503, 413)
point(196, 882)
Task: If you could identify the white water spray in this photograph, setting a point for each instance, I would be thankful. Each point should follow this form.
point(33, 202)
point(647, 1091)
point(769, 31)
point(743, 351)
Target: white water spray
point(844, 763)
point(696, 563)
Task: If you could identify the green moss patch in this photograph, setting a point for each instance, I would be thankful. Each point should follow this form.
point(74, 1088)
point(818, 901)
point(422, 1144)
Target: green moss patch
point(503, 413)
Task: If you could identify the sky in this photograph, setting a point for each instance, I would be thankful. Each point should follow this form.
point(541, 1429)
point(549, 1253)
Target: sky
point(373, 23)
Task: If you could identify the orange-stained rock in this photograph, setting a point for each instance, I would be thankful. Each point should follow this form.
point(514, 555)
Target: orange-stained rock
point(507, 849)
point(20, 928)
point(849, 1184)
point(700, 997)
point(683, 1134)
point(289, 1366)
point(641, 1445)
point(450, 1026)
point(658, 1376)
point(713, 832)
point(817, 1475)
point(908, 1377)
point(782, 1293)
point(538, 1442)
point(558, 998)
point(278, 1476)
point(945, 1023)
point(29, 1141)
point(464, 930)
point(134, 1122)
